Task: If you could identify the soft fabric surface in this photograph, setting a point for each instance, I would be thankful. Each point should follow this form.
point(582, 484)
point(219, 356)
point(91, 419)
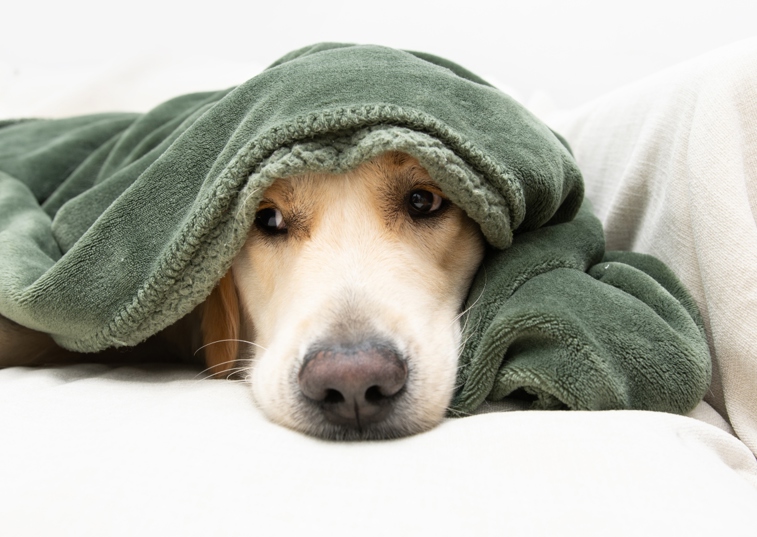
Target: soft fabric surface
point(117, 225)
point(187, 177)
point(90, 450)
point(671, 167)
point(572, 333)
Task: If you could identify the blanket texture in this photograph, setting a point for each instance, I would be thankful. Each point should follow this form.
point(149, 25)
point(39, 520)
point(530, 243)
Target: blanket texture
point(114, 226)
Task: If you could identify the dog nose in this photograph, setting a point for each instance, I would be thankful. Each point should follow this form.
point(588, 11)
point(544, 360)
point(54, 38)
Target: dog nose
point(354, 385)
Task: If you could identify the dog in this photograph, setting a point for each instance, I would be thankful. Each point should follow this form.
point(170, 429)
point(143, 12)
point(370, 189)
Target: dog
point(342, 310)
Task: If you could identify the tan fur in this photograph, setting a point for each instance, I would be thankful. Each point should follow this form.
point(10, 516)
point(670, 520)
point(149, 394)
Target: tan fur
point(352, 264)
point(22, 346)
point(353, 252)
point(220, 326)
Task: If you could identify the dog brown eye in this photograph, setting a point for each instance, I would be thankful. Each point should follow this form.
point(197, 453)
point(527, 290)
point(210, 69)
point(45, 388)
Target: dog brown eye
point(270, 220)
point(424, 202)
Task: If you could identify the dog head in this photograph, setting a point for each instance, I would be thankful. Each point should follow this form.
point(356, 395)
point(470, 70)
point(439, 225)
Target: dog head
point(349, 292)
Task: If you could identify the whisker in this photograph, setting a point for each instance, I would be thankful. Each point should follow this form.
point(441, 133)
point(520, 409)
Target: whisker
point(459, 413)
point(468, 335)
point(243, 363)
point(464, 328)
point(462, 344)
point(217, 376)
point(469, 308)
point(212, 375)
point(225, 340)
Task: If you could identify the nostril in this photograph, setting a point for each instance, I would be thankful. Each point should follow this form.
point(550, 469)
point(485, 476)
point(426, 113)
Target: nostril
point(353, 385)
point(374, 395)
point(333, 396)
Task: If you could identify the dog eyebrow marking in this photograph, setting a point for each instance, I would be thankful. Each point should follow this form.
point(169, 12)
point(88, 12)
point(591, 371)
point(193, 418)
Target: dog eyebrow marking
point(398, 158)
point(399, 181)
point(295, 209)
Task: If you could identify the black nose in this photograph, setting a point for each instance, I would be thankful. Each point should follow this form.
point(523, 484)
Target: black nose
point(353, 385)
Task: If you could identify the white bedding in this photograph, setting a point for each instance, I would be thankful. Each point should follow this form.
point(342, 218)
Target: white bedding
point(94, 450)
point(90, 450)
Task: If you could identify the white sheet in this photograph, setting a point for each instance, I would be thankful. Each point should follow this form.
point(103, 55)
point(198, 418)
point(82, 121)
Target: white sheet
point(90, 450)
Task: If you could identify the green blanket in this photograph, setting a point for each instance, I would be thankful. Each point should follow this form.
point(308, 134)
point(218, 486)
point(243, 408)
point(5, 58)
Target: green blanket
point(114, 226)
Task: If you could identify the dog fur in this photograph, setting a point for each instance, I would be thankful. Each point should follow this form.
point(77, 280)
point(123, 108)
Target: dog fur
point(356, 277)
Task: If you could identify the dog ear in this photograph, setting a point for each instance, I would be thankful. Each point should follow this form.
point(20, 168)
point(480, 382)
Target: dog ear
point(220, 326)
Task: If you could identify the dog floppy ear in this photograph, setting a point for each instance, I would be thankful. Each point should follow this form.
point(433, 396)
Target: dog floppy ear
point(220, 326)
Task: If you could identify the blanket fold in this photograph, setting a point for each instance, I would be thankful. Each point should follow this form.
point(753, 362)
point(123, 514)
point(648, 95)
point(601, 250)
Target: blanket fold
point(114, 226)
point(562, 322)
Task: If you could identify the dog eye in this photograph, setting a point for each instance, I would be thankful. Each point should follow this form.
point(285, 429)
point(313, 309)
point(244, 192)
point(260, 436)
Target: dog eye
point(424, 202)
point(270, 220)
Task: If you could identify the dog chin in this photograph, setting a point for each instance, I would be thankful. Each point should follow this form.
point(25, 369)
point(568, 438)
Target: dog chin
point(405, 419)
point(387, 430)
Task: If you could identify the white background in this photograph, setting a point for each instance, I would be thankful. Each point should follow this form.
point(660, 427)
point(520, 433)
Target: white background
point(570, 51)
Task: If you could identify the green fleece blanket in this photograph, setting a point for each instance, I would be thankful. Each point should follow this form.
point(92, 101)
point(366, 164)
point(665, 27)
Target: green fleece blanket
point(114, 226)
